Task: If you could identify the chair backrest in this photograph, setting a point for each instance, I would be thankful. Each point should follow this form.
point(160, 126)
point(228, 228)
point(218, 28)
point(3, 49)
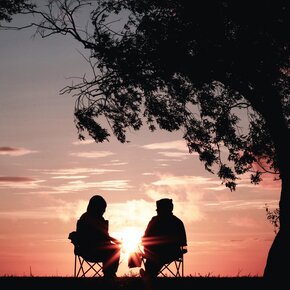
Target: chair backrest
point(74, 238)
point(83, 267)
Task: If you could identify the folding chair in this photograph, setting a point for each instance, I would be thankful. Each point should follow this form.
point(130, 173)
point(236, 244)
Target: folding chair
point(83, 267)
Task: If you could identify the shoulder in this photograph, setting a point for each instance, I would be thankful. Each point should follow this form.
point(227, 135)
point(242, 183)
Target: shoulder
point(154, 219)
point(177, 219)
point(82, 217)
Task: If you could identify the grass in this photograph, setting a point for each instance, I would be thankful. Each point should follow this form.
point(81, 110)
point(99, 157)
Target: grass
point(132, 283)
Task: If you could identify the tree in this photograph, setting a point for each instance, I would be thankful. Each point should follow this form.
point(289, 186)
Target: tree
point(190, 66)
point(10, 7)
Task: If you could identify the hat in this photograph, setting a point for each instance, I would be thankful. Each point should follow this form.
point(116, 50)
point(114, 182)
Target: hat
point(164, 204)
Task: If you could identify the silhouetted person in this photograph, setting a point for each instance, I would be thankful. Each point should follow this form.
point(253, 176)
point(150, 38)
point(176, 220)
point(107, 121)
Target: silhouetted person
point(163, 238)
point(94, 240)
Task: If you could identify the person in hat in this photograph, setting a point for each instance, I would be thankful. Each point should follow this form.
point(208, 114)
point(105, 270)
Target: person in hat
point(163, 239)
point(94, 240)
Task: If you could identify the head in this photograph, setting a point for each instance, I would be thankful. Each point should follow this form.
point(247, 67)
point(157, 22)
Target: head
point(164, 206)
point(97, 205)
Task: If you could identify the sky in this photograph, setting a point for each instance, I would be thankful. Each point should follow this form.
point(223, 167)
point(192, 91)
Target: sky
point(47, 177)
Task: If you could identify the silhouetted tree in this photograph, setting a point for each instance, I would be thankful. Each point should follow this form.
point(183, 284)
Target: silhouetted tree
point(195, 66)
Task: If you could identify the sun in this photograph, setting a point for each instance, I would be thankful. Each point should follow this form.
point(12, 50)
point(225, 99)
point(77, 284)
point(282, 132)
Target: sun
point(131, 239)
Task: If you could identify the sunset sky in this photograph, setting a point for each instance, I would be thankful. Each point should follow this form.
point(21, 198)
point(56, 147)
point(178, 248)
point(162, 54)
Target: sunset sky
point(47, 177)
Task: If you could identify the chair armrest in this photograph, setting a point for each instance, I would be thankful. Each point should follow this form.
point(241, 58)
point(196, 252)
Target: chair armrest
point(184, 250)
point(73, 237)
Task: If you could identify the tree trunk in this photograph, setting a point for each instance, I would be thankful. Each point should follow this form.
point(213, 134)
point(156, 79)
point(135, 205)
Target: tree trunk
point(277, 268)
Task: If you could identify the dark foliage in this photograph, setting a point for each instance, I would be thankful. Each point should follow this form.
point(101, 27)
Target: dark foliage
point(273, 217)
point(10, 7)
point(200, 68)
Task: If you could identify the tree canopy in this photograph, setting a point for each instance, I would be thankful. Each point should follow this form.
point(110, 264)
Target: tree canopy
point(178, 65)
point(11, 7)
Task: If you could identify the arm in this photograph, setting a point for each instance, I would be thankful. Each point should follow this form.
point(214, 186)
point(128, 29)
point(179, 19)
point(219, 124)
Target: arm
point(115, 241)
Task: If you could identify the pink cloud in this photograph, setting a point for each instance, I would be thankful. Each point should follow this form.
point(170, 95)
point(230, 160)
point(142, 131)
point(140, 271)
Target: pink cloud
point(19, 182)
point(92, 154)
point(16, 179)
point(14, 151)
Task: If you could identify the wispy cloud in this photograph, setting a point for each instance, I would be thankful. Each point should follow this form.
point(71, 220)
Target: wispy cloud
point(69, 172)
point(83, 142)
point(62, 210)
point(179, 145)
point(245, 182)
point(19, 182)
point(173, 150)
point(172, 180)
point(92, 154)
point(179, 155)
point(115, 162)
point(236, 204)
point(112, 185)
point(244, 222)
point(70, 177)
point(15, 151)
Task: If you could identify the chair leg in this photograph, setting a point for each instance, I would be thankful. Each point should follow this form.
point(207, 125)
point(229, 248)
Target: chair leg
point(81, 271)
point(75, 266)
point(182, 267)
point(177, 265)
point(178, 268)
point(166, 267)
point(92, 267)
point(85, 268)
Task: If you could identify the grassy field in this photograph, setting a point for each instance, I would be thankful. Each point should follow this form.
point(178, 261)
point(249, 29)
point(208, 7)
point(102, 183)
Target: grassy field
point(131, 283)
